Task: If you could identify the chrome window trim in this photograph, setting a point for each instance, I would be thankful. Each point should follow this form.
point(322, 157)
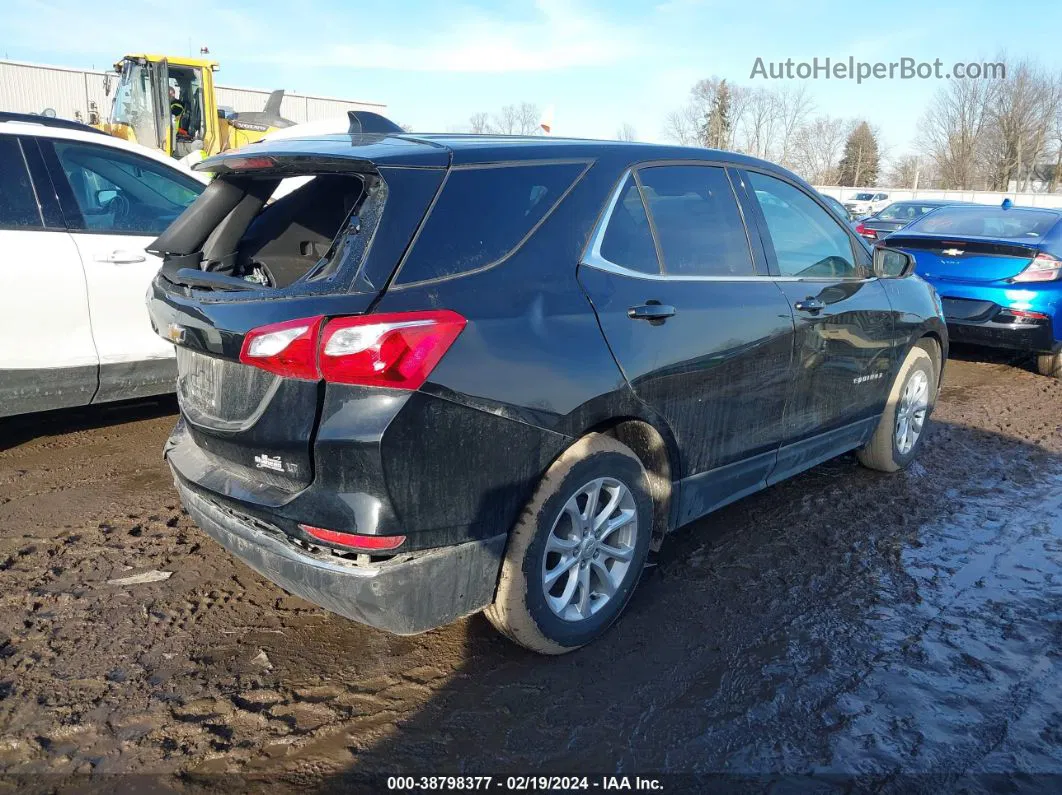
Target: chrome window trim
point(593, 258)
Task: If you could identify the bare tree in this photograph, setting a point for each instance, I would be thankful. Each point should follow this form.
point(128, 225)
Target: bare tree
point(1022, 114)
point(528, 116)
point(757, 123)
point(817, 148)
point(1056, 137)
point(479, 123)
point(952, 131)
point(905, 172)
point(626, 132)
point(683, 126)
point(519, 119)
point(507, 120)
point(794, 105)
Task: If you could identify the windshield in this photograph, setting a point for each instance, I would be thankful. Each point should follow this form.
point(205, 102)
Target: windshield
point(986, 222)
point(864, 197)
point(133, 103)
point(903, 211)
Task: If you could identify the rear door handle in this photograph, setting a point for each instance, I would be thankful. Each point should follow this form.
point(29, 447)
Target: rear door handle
point(809, 304)
point(651, 311)
point(121, 257)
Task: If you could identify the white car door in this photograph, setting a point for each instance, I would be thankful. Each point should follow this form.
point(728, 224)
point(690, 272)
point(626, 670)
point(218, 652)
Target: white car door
point(116, 203)
point(47, 356)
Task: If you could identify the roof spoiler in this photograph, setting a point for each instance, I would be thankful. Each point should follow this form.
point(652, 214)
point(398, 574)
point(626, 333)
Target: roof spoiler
point(365, 121)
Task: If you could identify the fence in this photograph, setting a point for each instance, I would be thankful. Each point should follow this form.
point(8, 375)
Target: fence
point(976, 196)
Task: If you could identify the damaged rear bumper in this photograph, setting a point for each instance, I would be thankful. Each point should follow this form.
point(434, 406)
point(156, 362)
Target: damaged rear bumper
point(406, 595)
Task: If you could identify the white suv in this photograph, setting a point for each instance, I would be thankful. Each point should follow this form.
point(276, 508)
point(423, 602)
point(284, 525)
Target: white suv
point(77, 208)
point(866, 203)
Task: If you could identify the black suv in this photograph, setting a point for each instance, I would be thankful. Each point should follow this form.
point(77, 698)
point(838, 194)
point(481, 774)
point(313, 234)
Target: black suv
point(455, 373)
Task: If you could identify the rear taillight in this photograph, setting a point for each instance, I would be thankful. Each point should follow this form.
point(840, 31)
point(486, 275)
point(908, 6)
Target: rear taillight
point(397, 349)
point(288, 349)
point(355, 541)
point(1044, 268)
point(862, 230)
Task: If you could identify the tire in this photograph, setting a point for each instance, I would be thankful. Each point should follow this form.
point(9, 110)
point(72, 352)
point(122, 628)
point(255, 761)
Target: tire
point(884, 452)
point(522, 604)
point(1049, 364)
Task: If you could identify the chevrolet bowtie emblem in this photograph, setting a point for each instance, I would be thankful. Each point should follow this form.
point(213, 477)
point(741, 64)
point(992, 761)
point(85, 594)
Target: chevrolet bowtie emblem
point(952, 252)
point(176, 334)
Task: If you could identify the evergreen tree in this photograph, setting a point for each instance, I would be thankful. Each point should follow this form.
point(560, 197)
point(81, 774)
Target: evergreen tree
point(716, 129)
point(861, 160)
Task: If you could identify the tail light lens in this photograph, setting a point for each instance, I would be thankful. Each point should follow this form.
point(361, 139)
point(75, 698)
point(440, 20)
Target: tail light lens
point(288, 349)
point(862, 230)
point(354, 540)
point(397, 349)
point(1044, 268)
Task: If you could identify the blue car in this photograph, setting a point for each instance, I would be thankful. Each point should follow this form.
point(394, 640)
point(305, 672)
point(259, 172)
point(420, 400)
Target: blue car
point(998, 271)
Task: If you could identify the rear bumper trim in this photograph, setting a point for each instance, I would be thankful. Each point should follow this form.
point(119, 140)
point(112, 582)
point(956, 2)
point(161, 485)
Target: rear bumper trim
point(1014, 336)
point(406, 595)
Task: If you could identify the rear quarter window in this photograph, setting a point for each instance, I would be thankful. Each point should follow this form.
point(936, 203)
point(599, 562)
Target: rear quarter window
point(482, 215)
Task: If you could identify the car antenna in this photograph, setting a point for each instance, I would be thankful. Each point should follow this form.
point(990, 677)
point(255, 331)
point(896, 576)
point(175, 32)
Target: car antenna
point(1007, 204)
point(365, 121)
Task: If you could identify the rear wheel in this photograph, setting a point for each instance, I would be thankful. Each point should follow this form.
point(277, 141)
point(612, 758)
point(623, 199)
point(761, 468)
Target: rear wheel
point(902, 427)
point(577, 551)
point(1050, 364)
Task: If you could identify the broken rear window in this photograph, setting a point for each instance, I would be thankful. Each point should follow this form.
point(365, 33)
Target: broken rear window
point(483, 214)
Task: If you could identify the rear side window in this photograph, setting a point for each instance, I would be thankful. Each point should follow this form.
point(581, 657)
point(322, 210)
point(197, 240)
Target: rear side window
point(628, 241)
point(697, 221)
point(18, 203)
point(482, 215)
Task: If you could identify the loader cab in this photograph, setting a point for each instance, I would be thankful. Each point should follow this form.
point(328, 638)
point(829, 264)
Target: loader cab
point(166, 103)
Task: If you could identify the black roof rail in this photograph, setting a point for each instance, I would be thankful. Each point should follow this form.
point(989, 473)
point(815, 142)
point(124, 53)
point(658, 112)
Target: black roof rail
point(365, 121)
point(48, 121)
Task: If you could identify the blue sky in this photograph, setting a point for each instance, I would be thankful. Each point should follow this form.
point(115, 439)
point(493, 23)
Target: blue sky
point(600, 64)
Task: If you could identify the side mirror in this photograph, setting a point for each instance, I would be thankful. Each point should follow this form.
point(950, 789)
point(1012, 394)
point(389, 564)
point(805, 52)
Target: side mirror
point(891, 263)
point(104, 197)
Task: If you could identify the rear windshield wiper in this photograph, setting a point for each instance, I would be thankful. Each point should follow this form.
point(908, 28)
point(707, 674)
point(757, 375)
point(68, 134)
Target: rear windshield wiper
point(213, 281)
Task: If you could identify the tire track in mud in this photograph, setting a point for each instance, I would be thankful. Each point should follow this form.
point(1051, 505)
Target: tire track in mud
point(757, 645)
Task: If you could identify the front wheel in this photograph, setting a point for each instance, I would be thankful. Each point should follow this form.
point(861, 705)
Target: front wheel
point(902, 426)
point(1050, 364)
point(577, 551)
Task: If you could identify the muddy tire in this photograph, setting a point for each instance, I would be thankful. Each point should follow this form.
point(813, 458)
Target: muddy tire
point(902, 427)
point(1049, 364)
point(578, 549)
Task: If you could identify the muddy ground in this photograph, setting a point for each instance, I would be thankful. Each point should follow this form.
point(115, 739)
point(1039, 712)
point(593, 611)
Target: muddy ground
point(906, 629)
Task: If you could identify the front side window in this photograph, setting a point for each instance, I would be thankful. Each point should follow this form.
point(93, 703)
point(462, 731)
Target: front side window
point(697, 221)
point(808, 242)
point(483, 214)
point(122, 193)
point(18, 203)
point(628, 241)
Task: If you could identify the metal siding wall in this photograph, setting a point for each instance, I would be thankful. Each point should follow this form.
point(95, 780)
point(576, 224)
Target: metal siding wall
point(320, 108)
point(30, 88)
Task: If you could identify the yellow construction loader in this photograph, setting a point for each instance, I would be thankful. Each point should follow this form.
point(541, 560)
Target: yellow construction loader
point(170, 103)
